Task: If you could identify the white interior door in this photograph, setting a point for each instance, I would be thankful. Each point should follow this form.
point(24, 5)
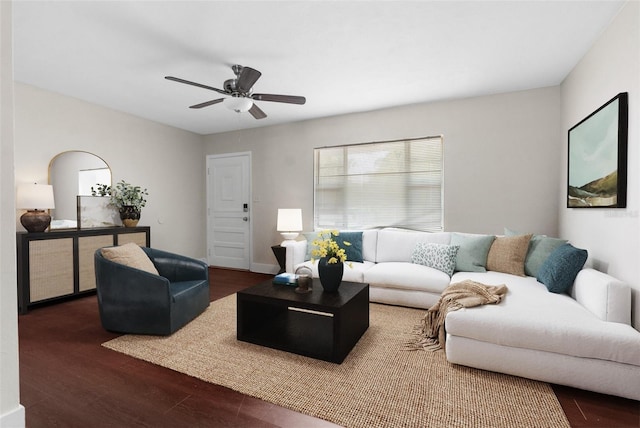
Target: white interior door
point(228, 210)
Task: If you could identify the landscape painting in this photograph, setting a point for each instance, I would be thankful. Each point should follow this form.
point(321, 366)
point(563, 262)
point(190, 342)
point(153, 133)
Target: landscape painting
point(96, 211)
point(597, 176)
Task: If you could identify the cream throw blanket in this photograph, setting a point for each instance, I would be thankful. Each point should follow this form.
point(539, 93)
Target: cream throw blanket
point(465, 294)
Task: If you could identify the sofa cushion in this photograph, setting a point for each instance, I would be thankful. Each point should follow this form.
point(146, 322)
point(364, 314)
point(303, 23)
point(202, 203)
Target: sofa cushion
point(131, 255)
point(561, 267)
point(406, 276)
point(540, 247)
point(472, 255)
point(437, 256)
point(369, 244)
point(507, 254)
point(396, 245)
point(530, 317)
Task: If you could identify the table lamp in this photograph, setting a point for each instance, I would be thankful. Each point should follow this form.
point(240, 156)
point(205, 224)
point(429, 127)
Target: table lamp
point(35, 198)
point(289, 223)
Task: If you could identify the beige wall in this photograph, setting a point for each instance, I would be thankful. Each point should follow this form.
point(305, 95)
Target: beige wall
point(505, 166)
point(167, 161)
point(11, 412)
point(611, 66)
point(501, 162)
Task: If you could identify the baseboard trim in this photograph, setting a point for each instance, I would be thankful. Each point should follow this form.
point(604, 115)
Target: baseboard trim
point(264, 268)
point(14, 418)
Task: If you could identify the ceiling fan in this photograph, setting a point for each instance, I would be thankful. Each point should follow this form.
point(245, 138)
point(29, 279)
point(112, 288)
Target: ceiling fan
point(239, 91)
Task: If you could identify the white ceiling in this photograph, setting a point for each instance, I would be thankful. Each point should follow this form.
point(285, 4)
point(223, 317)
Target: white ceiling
point(343, 56)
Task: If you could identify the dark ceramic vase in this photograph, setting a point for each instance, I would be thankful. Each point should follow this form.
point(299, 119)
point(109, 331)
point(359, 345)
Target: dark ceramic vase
point(330, 274)
point(129, 216)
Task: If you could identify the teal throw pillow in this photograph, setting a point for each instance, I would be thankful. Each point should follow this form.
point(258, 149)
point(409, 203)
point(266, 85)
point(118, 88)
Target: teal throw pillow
point(540, 247)
point(437, 256)
point(353, 251)
point(561, 268)
point(472, 255)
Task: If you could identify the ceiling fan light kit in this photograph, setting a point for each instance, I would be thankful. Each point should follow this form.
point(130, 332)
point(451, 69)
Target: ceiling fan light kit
point(238, 104)
point(239, 93)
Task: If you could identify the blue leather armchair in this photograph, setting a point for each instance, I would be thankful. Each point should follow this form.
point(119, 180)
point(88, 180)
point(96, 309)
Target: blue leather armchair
point(134, 301)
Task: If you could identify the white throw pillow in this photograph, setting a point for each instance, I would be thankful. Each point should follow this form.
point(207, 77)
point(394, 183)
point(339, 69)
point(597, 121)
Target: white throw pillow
point(437, 256)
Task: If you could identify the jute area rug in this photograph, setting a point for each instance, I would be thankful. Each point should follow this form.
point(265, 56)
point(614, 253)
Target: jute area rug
point(378, 385)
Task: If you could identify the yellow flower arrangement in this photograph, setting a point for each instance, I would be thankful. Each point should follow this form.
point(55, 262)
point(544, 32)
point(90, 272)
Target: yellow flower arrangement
point(326, 246)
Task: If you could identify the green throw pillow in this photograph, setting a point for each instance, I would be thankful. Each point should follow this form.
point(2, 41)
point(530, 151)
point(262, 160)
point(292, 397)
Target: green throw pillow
point(437, 256)
point(310, 237)
point(540, 248)
point(561, 268)
point(472, 255)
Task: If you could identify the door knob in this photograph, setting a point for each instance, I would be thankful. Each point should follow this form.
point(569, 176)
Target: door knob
point(245, 218)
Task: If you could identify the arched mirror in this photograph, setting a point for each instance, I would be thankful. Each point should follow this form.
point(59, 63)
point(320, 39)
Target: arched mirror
point(73, 174)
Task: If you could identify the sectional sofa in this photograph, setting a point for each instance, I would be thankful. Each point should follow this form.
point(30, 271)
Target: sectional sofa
point(578, 333)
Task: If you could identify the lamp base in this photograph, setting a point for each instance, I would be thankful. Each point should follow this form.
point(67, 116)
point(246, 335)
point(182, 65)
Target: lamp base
point(289, 236)
point(35, 220)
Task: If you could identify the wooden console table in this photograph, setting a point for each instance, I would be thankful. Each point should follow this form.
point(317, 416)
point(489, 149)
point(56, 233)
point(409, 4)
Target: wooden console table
point(59, 264)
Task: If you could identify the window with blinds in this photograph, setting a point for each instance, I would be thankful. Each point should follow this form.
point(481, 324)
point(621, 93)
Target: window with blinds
point(384, 184)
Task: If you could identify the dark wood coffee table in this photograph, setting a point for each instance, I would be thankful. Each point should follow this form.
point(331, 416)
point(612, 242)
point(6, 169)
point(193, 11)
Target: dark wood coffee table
point(320, 325)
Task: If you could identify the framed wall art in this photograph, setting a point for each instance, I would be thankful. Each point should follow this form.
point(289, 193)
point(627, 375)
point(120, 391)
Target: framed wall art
point(95, 211)
point(597, 173)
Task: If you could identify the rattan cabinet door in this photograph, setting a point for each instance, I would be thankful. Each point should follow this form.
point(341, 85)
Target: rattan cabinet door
point(50, 268)
point(87, 246)
point(136, 238)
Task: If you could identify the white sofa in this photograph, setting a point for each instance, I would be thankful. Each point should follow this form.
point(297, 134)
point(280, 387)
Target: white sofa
point(582, 338)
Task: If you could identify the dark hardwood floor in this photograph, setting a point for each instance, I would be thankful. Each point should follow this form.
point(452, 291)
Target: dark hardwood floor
point(68, 380)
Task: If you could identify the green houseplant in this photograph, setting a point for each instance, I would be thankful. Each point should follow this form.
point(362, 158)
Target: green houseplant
point(127, 198)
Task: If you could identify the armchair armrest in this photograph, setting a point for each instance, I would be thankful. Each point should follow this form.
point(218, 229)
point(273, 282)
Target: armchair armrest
point(296, 252)
point(177, 268)
point(121, 286)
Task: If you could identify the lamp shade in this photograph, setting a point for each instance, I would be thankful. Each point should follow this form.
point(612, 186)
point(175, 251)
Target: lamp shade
point(35, 196)
point(289, 223)
point(238, 104)
point(289, 220)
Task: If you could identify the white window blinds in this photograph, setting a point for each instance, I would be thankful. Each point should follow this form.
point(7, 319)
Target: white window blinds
point(394, 183)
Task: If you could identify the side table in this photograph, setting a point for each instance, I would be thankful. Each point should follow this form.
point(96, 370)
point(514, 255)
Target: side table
point(281, 256)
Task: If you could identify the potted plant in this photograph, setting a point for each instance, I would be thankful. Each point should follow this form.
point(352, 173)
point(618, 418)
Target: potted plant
point(127, 198)
point(332, 258)
point(325, 246)
point(101, 190)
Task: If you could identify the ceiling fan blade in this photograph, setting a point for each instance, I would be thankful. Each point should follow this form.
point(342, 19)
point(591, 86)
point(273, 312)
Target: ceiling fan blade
point(199, 85)
point(257, 112)
point(207, 103)
point(291, 99)
point(247, 78)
